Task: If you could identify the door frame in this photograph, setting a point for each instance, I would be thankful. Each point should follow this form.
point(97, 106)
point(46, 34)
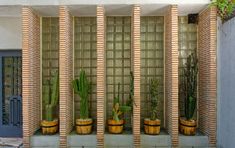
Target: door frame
point(6, 130)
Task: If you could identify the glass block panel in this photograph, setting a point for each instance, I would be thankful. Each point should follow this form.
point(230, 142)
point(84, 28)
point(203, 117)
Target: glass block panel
point(152, 41)
point(187, 44)
point(118, 61)
point(50, 50)
point(85, 57)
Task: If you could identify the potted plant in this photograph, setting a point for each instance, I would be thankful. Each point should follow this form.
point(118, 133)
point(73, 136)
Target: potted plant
point(152, 124)
point(189, 88)
point(115, 125)
point(82, 87)
point(50, 97)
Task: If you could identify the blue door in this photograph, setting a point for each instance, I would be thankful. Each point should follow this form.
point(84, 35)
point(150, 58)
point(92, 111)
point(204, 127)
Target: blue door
point(10, 93)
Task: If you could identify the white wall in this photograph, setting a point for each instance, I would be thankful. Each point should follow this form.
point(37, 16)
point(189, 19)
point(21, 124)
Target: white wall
point(226, 85)
point(10, 33)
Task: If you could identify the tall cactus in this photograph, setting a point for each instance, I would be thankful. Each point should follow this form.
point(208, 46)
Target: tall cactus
point(153, 99)
point(130, 101)
point(81, 87)
point(51, 96)
point(190, 85)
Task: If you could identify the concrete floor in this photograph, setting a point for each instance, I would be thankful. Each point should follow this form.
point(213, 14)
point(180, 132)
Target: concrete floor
point(11, 142)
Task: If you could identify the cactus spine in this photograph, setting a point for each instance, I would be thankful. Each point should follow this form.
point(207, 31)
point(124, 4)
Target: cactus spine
point(81, 87)
point(51, 96)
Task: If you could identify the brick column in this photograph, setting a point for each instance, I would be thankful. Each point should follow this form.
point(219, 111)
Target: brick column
point(66, 75)
point(30, 74)
point(101, 83)
point(171, 73)
point(136, 72)
point(207, 73)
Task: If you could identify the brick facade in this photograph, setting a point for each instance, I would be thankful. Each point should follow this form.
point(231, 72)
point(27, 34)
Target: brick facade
point(171, 73)
point(207, 73)
point(101, 83)
point(30, 74)
point(66, 75)
point(136, 71)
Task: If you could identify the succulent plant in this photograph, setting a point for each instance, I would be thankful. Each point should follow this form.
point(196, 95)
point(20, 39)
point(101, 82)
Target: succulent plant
point(225, 8)
point(51, 96)
point(118, 110)
point(82, 87)
point(189, 85)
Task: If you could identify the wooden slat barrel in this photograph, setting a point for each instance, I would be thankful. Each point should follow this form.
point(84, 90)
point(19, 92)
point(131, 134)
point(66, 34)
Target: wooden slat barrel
point(49, 127)
point(84, 126)
point(115, 127)
point(187, 127)
point(152, 127)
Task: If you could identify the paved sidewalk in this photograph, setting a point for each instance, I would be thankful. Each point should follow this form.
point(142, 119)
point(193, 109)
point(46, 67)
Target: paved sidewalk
point(11, 142)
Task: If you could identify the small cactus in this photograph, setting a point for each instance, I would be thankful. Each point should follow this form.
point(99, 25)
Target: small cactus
point(51, 96)
point(117, 109)
point(82, 87)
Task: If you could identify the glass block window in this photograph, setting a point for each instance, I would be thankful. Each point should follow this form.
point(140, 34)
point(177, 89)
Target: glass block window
point(85, 57)
point(11, 86)
point(152, 63)
point(187, 44)
point(50, 49)
point(118, 61)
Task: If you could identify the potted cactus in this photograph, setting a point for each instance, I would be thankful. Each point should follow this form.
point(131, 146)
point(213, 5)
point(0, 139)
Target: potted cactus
point(189, 89)
point(152, 124)
point(115, 125)
point(50, 97)
point(82, 87)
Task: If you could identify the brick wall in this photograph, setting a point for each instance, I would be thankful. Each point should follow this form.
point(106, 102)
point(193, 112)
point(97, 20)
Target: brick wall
point(136, 71)
point(30, 74)
point(207, 73)
point(66, 74)
point(171, 72)
point(101, 83)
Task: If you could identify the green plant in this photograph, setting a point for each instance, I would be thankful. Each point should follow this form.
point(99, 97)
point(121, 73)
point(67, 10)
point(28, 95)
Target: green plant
point(224, 7)
point(81, 87)
point(51, 96)
point(190, 84)
point(118, 110)
point(153, 99)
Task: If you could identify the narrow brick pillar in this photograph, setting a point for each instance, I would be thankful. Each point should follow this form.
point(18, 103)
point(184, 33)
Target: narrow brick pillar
point(136, 72)
point(101, 83)
point(65, 74)
point(171, 73)
point(30, 74)
point(207, 27)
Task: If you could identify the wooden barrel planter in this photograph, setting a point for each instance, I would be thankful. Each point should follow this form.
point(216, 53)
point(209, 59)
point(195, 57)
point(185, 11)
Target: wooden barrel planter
point(187, 127)
point(49, 127)
point(115, 127)
point(152, 127)
point(84, 126)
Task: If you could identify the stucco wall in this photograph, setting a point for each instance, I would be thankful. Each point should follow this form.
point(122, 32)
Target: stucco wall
point(10, 33)
point(226, 85)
